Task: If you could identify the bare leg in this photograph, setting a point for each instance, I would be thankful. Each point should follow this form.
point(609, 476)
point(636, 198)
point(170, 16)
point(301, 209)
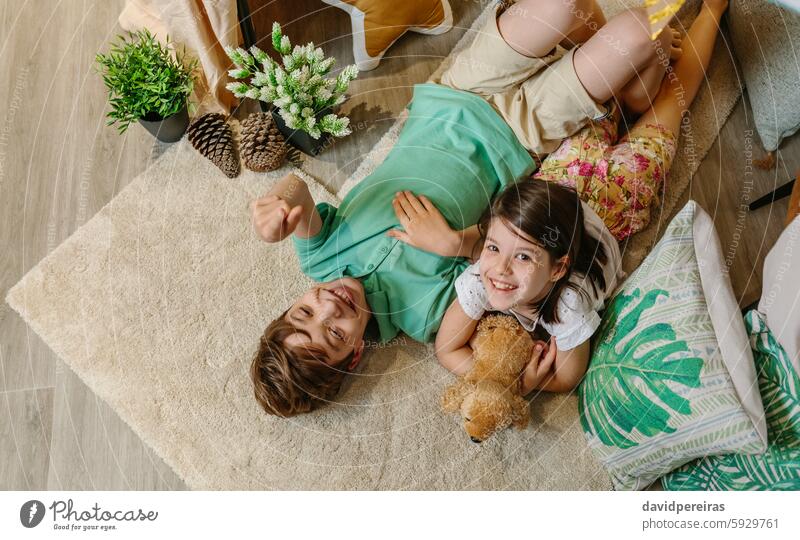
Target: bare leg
point(637, 96)
point(534, 27)
point(593, 20)
point(681, 85)
point(617, 53)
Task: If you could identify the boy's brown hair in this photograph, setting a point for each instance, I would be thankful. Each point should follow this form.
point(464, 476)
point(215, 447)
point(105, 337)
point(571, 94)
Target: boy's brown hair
point(289, 381)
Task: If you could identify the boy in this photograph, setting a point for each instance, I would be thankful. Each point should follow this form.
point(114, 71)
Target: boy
point(460, 146)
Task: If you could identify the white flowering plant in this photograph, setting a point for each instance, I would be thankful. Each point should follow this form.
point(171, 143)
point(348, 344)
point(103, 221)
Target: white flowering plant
point(299, 88)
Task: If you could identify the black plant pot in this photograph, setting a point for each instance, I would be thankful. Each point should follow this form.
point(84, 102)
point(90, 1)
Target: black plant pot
point(169, 129)
point(298, 138)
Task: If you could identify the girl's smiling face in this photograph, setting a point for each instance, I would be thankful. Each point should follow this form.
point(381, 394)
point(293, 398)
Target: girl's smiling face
point(514, 269)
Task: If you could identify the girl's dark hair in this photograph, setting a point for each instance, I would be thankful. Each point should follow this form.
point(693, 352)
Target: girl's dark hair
point(551, 216)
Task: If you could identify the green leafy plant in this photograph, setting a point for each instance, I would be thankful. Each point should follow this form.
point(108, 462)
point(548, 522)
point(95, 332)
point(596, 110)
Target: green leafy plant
point(628, 366)
point(144, 80)
point(299, 88)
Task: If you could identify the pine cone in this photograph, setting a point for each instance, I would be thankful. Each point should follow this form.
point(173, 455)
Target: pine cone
point(263, 146)
point(212, 137)
point(294, 156)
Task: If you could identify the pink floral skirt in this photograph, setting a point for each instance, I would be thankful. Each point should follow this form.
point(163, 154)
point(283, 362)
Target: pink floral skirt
point(620, 180)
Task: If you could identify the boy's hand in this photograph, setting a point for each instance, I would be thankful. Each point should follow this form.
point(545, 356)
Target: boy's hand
point(540, 366)
point(425, 227)
point(273, 218)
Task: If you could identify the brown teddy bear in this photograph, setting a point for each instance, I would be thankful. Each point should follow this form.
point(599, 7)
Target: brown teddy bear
point(488, 396)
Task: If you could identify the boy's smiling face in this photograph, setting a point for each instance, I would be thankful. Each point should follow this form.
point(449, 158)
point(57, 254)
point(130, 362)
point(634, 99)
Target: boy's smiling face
point(331, 318)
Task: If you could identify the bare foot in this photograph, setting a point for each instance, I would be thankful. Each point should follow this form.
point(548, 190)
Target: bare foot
point(675, 50)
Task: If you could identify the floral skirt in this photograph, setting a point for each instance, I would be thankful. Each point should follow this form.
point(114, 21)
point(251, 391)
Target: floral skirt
point(620, 180)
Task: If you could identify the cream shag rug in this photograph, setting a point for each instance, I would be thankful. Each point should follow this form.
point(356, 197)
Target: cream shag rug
point(158, 301)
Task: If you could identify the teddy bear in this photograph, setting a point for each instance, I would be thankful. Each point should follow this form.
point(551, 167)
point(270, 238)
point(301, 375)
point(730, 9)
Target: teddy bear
point(489, 395)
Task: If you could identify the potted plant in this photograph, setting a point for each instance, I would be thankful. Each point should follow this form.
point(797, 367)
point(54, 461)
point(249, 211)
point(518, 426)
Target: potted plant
point(147, 84)
point(298, 88)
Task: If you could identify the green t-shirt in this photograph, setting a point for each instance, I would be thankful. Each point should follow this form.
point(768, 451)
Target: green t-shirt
point(455, 150)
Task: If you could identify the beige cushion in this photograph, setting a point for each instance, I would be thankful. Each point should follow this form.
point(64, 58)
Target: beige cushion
point(780, 296)
point(726, 317)
point(379, 23)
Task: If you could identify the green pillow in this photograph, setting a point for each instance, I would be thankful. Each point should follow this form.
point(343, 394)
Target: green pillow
point(779, 467)
point(671, 377)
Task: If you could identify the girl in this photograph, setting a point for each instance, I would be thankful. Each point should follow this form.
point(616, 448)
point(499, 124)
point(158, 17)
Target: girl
point(621, 179)
point(547, 258)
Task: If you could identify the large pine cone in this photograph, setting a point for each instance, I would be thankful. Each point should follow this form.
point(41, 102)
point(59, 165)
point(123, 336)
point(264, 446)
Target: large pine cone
point(213, 138)
point(263, 146)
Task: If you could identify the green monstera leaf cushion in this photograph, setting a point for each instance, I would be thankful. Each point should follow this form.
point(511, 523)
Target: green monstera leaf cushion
point(633, 355)
point(671, 377)
point(779, 467)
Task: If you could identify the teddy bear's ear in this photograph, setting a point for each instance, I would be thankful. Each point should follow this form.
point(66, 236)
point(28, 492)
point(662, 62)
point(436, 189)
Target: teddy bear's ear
point(454, 395)
point(520, 412)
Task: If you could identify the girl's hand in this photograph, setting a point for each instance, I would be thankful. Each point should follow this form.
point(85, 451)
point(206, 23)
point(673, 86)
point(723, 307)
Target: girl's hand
point(540, 366)
point(425, 227)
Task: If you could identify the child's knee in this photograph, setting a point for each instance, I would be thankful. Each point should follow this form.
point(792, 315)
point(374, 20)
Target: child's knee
point(633, 34)
point(636, 101)
point(562, 16)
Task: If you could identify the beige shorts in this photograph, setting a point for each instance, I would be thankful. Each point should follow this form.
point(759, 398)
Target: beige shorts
point(541, 99)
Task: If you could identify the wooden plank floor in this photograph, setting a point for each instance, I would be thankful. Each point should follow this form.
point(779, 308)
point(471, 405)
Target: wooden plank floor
point(59, 164)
